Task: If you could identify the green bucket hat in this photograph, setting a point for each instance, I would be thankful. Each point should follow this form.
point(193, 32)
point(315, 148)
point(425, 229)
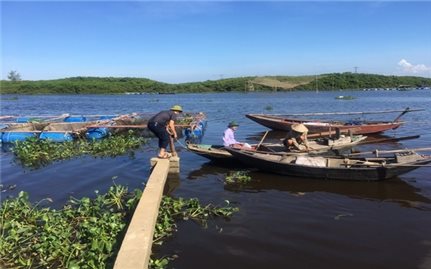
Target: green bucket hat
point(177, 108)
point(232, 124)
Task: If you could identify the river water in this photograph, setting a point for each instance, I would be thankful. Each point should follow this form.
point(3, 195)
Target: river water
point(283, 222)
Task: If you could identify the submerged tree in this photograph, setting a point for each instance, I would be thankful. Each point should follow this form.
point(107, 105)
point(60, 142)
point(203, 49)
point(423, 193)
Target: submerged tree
point(14, 76)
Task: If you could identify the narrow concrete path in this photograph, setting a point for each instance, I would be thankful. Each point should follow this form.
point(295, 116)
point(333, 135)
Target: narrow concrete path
point(135, 250)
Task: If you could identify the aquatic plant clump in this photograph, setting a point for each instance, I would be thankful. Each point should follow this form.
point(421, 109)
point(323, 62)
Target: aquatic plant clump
point(83, 234)
point(35, 152)
point(171, 210)
point(86, 233)
point(238, 177)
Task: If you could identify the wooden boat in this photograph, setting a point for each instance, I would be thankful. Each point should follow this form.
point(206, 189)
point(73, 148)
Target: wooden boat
point(283, 123)
point(219, 153)
point(213, 152)
point(316, 126)
point(360, 169)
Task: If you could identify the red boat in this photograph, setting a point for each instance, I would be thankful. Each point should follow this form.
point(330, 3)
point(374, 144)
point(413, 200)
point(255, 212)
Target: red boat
point(276, 122)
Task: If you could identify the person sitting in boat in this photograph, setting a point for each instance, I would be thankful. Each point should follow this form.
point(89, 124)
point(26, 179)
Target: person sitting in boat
point(163, 125)
point(229, 137)
point(296, 139)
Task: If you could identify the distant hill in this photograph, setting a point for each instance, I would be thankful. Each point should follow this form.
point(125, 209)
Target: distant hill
point(112, 85)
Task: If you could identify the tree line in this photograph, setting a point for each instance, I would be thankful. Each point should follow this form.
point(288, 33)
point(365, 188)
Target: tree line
point(113, 85)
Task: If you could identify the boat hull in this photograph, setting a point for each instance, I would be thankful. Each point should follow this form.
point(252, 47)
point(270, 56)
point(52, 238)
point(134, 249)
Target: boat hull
point(306, 171)
point(283, 124)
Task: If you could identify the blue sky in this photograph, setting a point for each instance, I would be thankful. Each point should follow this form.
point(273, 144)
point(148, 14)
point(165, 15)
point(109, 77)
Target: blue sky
point(194, 41)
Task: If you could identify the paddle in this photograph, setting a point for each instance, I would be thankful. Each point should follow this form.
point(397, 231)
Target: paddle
point(263, 138)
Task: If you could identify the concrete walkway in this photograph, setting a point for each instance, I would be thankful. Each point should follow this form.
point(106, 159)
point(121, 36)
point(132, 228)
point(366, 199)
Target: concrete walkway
point(135, 250)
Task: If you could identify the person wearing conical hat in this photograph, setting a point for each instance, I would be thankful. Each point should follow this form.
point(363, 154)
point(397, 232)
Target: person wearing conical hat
point(296, 139)
point(163, 125)
point(229, 136)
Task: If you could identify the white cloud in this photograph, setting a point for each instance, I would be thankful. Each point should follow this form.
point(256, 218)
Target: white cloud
point(415, 69)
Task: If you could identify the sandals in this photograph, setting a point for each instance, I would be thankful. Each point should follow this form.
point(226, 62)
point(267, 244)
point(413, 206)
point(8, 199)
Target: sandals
point(166, 156)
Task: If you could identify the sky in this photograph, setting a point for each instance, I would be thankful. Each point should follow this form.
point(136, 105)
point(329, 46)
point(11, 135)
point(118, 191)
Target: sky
point(180, 41)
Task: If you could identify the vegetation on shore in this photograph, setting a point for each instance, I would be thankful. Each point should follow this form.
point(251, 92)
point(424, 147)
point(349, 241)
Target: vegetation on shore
point(111, 85)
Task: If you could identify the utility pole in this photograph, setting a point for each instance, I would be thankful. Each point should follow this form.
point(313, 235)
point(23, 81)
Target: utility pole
point(356, 69)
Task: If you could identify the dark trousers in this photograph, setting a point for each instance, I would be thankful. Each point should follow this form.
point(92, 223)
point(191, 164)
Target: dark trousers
point(160, 131)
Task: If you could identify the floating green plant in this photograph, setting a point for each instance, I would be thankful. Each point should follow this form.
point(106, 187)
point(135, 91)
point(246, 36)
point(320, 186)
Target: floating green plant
point(35, 152)
point(268, 107)
point(238, 177)
point(85, 233)
point(172, 210)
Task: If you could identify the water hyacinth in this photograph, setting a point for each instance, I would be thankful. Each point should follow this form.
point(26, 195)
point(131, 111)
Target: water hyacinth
point(35, 152)
point(83, 234)
point(86, 233)
point(238, 177)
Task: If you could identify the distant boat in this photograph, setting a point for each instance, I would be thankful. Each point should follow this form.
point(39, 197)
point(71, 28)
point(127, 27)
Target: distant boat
point(359, 169)
point(345, 97)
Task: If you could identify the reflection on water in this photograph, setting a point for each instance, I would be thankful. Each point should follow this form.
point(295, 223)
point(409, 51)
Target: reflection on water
point(394, 190)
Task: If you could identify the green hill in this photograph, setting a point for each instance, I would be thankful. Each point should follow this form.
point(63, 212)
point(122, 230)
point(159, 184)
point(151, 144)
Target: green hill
point(111, 85)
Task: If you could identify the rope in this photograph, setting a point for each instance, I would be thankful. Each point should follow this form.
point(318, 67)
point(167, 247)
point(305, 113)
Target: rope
point(182, 145)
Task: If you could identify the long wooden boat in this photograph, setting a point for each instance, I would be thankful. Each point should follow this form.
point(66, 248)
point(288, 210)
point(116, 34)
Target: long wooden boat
point(219, 153)
point(360, 169)
point(316, 126)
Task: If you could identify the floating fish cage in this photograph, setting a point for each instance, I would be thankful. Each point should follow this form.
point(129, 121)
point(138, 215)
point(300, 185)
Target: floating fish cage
point(56, 129)
point(195, 132)
point(94, 127)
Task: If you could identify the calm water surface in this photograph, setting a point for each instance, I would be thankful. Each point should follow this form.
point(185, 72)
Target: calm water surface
point(283, 222)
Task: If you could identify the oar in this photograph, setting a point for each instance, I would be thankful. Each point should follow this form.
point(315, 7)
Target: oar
point(263, 138)
point(388, 151)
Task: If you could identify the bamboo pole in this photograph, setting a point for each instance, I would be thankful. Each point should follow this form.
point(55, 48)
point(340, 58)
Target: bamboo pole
point(348, 113)
point(263, 138)
point(391, 139)
point(388, 151)
point(172, 146)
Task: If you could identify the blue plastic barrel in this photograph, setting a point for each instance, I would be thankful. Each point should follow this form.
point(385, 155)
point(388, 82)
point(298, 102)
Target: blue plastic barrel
point(75, 119)
point(96, 133)
point(56, 136)
point(22, 119)
point(107, 117)
point(10, 137)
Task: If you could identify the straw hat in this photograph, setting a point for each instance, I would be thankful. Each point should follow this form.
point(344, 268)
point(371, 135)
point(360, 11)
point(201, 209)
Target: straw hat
point(177, 108)
point(232, 124)
point(299, 127)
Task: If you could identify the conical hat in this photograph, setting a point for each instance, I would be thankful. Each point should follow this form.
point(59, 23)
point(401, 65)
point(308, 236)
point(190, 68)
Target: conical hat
point(299, 127)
